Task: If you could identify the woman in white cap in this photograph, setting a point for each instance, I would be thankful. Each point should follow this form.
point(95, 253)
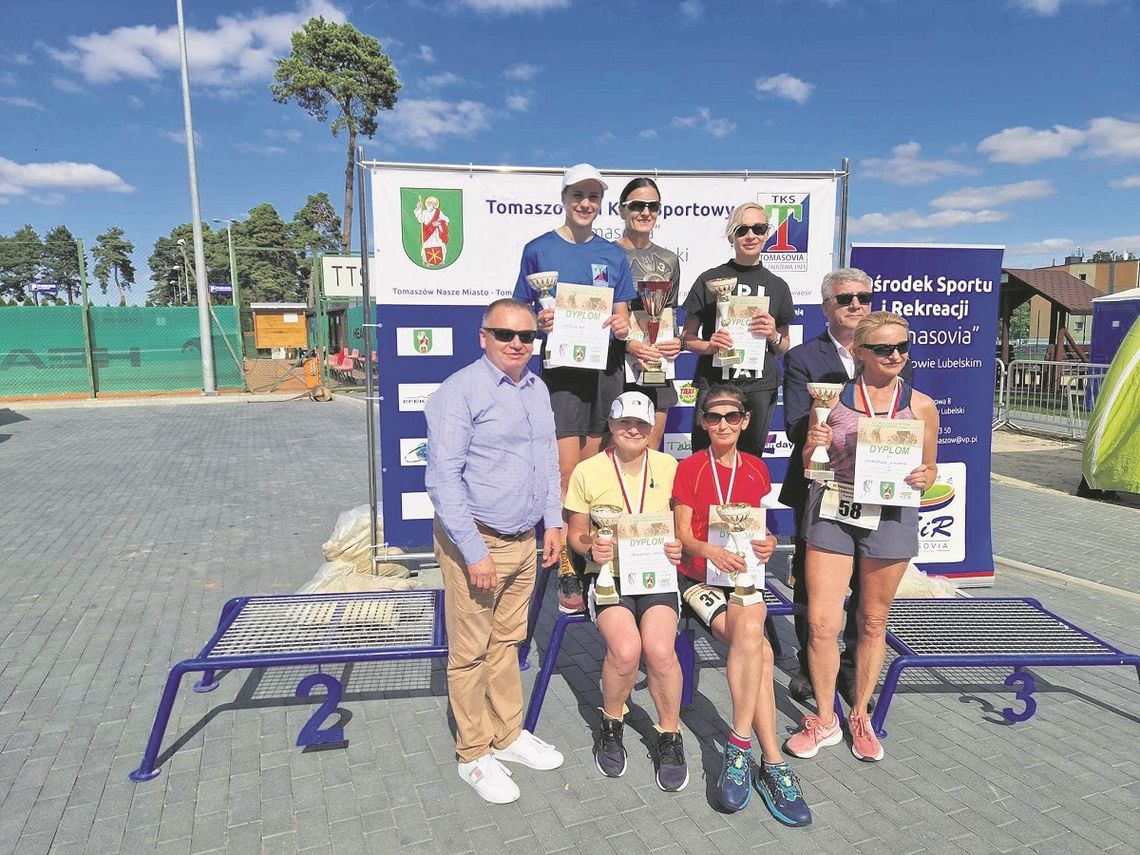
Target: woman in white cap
point(580, 398)
point(636, 479)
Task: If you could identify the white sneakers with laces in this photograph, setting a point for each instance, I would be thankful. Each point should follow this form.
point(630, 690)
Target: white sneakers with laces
point(491, 780)
point(530, 751)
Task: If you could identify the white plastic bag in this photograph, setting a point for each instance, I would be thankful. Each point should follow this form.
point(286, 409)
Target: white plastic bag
point(916, 584)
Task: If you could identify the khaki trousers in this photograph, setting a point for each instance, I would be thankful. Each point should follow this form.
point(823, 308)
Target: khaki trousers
point(484, 630)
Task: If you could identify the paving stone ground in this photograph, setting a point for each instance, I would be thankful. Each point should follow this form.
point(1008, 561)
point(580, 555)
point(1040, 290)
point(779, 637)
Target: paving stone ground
point(124, 530)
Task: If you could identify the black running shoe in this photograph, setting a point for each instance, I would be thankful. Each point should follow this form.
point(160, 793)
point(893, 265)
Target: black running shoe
point(672, 773)
point(609, 752)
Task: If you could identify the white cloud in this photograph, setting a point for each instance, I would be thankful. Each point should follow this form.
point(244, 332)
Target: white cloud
point(647, 134)
point(784, 85)
point(995, 194)
point(1127, 183)
point(1042, 247)
point(877, 223)
point(63, 84)
point(20, 59)
point(180, 137)
point(1109, 137)
point(692, 9)
point(703, 121)
point(518, 103)
point(1024, 145)
point(254, 148)
point(26, 103)
point(291, 134)
point(16, 179)
point(1043, 8)
point(422, 123)
point(1131, 243)
point(7, 78)
point(905, 166)
point(239, 50)
point(521, 71)
point(426, 54)
point(510, 7)
point(438, 81)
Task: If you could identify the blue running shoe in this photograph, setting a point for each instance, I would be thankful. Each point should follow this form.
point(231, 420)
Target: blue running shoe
point(778, 785)
point(732, 785)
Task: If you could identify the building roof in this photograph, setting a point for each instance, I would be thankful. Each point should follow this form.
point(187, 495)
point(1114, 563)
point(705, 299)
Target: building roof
point(1057, 286)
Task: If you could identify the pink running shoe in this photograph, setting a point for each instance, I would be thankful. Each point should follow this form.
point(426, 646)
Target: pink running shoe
point(813, 736)
point(864, 744)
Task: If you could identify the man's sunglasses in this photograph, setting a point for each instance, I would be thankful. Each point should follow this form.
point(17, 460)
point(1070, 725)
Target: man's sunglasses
point(504, 335)
point(713, 419)
point(885, 350)
point(755, 228)
point(863, 297)
point(637, 206)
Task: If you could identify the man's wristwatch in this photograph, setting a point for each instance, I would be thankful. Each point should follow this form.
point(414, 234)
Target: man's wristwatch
point(779, 340)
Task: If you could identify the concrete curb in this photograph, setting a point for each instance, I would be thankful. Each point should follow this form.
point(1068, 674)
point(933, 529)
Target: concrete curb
point(1064, 579)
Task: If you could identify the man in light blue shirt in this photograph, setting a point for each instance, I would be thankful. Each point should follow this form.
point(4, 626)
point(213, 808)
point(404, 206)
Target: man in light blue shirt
point(492, 474)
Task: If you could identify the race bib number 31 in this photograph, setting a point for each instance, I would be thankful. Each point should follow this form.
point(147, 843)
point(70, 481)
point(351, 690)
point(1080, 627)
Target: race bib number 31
point(838, 504)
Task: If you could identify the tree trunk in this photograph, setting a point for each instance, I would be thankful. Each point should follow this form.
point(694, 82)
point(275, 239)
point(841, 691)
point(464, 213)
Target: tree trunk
point(346, 228)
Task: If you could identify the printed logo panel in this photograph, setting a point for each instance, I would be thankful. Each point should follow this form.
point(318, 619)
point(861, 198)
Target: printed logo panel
point(686, 393)
point(413, 451)
point(777, 445)
point(942, 517)
point(424, 341)
point(787, 246)
point(679, 445)
point(413, 396)
point(431, 226)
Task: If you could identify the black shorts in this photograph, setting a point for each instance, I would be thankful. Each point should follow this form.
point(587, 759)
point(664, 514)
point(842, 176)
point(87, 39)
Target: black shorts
point(581, 399)
point(706, 602)
point(638, 605)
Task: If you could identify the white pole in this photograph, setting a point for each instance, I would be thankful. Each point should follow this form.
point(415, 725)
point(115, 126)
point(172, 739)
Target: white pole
point(204, 334)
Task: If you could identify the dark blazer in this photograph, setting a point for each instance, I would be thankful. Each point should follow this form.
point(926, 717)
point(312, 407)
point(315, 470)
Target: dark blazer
point(814, 361)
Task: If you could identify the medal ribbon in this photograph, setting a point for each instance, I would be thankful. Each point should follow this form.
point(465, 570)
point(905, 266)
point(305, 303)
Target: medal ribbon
point(866, 396)
point(722, 499)
point(621, 480)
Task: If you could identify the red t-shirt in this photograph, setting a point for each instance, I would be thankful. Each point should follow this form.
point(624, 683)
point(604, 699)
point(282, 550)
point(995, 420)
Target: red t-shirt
point(693, 486)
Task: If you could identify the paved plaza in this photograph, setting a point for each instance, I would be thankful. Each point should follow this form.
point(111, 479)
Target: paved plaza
point(125, 528)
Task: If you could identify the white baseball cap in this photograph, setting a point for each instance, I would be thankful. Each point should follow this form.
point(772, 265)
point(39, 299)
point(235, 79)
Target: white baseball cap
point(582, 172)
point(632, 405)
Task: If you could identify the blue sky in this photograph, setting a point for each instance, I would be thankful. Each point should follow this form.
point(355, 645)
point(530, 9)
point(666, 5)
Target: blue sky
point(979, 121)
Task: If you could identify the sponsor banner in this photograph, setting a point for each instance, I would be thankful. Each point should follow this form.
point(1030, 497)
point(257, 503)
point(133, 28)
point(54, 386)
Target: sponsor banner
point(423, 341)
point(949, 296)
point(413, 451)
point(679, 445)
point(686, 391)
point(414, 506)
point(778, 445)
point(341, 277)
point(413, 396)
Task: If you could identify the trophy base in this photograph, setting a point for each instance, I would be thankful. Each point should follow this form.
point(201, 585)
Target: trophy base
point(606, 598)
point(819, 474)
point(653, 377)
point(730, 357)
point(749, 599)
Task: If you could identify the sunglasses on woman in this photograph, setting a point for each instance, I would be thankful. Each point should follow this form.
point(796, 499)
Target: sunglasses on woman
point(713, 419)
point(755, 228)
point(885, 350)
point(637, 206)
point(504, 335)
point(863, 297)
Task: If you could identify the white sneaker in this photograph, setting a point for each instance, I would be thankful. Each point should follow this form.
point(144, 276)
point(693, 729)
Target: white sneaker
point(490, 779)
point(531, 751)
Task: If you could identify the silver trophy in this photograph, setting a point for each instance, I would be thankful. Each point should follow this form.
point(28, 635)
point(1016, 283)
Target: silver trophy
point(542, 283)
point(654, 294)
point(605, 517)
point(824, 395)
point(735, 515)
point(723, 288)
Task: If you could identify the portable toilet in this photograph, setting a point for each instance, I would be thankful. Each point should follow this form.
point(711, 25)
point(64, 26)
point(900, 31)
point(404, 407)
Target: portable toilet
point(1113, 315)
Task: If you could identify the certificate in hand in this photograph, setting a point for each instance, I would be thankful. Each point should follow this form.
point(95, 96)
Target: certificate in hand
point(641, 539)
point(638, 324)
point(719, 535)
point(752, 348)
point(578, 339)
point(887, 451)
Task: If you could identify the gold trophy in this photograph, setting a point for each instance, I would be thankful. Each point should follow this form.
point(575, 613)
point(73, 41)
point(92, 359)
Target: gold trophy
point(723, 289)
point(542, 283)
point(605, 517)
point(824, 395)
point(735, 515)
point(653, 293)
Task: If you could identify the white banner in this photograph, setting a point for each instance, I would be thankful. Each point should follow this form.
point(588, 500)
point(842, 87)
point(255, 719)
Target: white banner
point(455, 237)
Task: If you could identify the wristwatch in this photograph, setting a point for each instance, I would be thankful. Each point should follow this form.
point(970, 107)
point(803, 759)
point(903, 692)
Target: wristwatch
point(684, 341)
point(779, 340)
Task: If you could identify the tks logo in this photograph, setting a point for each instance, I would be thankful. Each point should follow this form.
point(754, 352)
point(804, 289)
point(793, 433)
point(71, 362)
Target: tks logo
point(788, 215)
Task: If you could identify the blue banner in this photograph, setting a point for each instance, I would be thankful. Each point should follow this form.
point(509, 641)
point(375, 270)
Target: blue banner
point(949, 297)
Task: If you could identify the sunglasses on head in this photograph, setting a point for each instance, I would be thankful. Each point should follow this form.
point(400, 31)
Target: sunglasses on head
point(863, 297)
point(885, 350)
point(637, 206)
point(504, 335)
point(755, 228)
point(713, 419)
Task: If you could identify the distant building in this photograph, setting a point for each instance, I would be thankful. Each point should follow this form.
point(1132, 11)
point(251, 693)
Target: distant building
point(1107, 277)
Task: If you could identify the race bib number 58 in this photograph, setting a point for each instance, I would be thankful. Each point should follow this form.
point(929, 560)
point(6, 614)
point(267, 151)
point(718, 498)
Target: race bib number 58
point(838, 504)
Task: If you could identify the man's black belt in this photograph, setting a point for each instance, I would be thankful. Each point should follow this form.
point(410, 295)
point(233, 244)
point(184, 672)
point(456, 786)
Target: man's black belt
point(518, 535)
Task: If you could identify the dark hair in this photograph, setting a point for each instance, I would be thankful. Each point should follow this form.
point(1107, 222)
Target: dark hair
point(506, 303)
point(723, 390)
point(637, 184)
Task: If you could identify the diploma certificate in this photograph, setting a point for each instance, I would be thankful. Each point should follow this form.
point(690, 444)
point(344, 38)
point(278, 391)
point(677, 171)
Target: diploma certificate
point(578, 339)
point(753, 348)
point(886, 452)
point(641, 539)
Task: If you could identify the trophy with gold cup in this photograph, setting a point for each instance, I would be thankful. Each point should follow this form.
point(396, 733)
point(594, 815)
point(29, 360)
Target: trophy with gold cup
point(654, 294)
point(723, 289)
point(824, 395)
point(734, 515)
point(542, 283)
point(605, 517)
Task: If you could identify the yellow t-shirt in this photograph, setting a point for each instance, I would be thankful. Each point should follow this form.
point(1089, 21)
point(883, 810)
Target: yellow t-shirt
point(594, 482)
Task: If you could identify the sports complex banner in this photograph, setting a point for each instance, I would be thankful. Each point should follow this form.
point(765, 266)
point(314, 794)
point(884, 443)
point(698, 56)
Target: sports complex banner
point(949, 296)
point(448, 241)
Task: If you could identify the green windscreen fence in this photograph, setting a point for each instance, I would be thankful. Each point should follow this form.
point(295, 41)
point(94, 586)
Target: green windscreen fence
point(43, 351)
